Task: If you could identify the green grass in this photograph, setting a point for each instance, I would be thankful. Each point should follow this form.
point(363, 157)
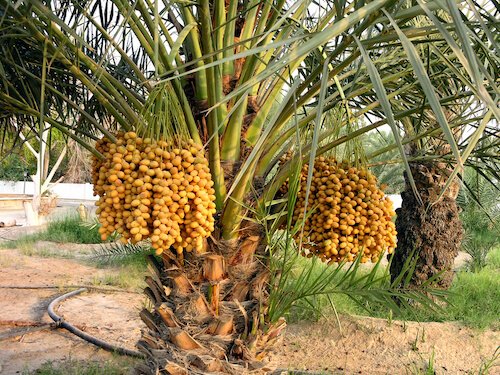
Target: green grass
point(474, 300)
point(120, 366)
point(67, 230)
point(126, 265)
point(126, 269)
point(310, 289)
point(490, 363)
point(131, 270)
point(424, 368)
point(324, 305)
point(27, 248)
point(493, 259)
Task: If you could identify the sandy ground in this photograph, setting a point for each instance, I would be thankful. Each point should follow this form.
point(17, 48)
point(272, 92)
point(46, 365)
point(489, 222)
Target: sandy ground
point(109, 316)
point(359, 346)
point(373, 346)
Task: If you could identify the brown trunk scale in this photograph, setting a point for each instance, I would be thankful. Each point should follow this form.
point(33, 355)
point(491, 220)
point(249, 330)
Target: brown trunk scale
point(431, 231)
point(208, 311)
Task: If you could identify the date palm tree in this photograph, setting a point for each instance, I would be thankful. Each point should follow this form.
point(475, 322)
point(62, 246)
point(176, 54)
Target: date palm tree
point(428, 223)
point(251, 79)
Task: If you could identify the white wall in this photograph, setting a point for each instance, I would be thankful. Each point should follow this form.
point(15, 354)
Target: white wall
point(396, 200)
point(62, 190)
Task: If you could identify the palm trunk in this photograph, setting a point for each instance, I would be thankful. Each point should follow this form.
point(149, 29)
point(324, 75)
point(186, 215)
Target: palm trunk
point(209, 312)
point(432, 231)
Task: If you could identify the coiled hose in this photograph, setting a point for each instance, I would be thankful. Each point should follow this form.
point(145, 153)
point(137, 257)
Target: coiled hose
point(60, 322)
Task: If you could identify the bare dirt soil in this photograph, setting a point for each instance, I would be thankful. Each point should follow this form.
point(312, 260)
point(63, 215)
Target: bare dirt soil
point(360, 345)
point(373, 346)
point(23, 347)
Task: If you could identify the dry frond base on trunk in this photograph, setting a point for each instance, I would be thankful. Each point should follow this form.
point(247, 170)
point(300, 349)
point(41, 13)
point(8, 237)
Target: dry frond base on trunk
point(209, 314)
point(431, 231)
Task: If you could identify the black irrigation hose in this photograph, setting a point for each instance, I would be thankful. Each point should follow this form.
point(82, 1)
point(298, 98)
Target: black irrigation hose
point(110, 347)
point(60, 322)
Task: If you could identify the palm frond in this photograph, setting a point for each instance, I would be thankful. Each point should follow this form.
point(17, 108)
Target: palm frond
point(252, 78)
point(115, 251)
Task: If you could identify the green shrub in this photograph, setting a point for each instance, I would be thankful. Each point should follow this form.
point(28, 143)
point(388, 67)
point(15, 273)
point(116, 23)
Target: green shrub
point(12, 168)
point(479, 201)
point(69, 230)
